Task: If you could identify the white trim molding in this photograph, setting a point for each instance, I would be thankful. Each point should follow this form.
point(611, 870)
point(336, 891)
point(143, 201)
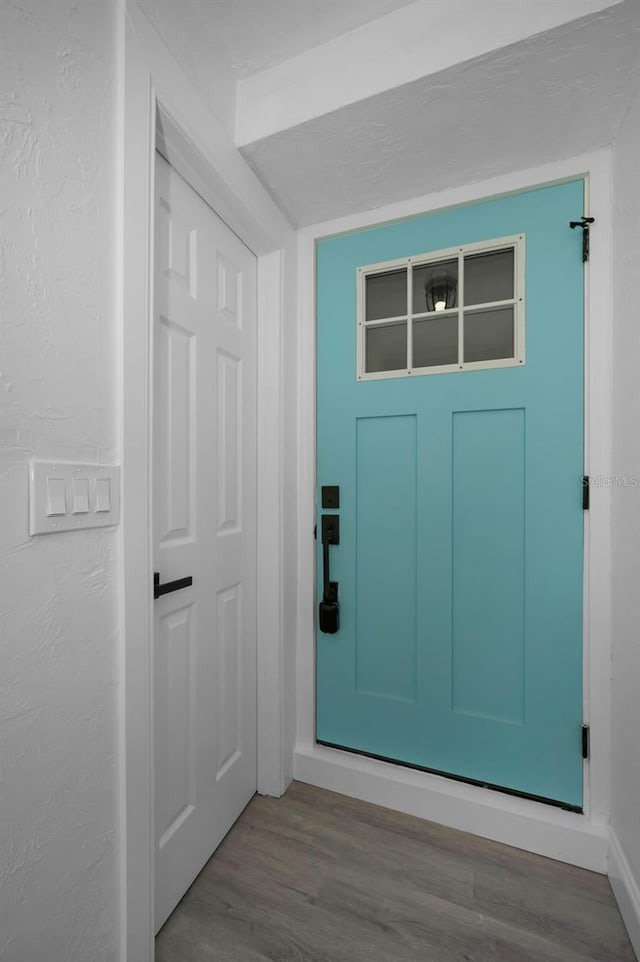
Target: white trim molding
point(514, 821)
point(626, 890)
point(580, 839)
point(160, 107)
point(457, 255)
point(272, 764)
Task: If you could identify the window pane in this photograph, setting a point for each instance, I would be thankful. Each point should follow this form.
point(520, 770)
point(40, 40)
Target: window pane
point(488, 277)
point(488, 335)
point(435, 287)
point(386, 295)
point(435, 341)
point(386, 347)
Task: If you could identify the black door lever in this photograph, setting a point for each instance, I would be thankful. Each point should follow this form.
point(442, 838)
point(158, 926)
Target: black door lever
point(169, 586)
point(329, 608)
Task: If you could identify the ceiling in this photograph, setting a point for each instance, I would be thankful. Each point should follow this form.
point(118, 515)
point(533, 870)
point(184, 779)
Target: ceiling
point(341, 106)
point(259, 34)
point(556, 95)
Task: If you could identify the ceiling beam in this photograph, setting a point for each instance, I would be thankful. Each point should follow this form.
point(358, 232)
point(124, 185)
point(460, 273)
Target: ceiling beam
point(416, 41)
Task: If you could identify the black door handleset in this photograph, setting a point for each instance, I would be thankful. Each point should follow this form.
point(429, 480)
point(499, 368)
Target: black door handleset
point(329, 607)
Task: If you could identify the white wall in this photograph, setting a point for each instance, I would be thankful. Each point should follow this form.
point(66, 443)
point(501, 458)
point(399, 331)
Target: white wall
point(58, 619)
point(188, 28)
point(626, 499)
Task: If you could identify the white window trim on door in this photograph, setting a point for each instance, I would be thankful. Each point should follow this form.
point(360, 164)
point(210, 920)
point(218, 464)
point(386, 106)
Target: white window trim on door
point(517, 303)
point(160, 107)
point(577, 839)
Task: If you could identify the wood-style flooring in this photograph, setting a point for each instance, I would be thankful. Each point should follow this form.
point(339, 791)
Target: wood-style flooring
point(317, 877)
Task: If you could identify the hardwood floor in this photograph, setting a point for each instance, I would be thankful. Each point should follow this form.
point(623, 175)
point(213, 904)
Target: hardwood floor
point(317, 877)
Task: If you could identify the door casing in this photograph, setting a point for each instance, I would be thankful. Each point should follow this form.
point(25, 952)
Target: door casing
point(159, 107)
point(580, 839)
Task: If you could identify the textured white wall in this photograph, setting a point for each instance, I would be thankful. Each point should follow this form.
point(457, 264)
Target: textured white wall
point(626, 500)
point(58, 618)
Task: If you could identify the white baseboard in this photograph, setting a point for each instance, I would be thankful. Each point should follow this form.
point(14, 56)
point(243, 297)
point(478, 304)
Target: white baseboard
point(532, 826)
point(626, 890)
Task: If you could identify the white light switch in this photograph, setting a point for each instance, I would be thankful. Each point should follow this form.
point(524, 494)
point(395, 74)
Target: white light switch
point(103, 494)
point(65, 496)
point(56, 497)
point(80, 489)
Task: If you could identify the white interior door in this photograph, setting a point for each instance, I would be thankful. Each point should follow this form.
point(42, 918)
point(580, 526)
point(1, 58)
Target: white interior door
point(204, 512)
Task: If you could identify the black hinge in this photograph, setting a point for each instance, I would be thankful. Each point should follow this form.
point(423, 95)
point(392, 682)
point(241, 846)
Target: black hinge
point(586, 741)
point(586, 488)
point(583, 224)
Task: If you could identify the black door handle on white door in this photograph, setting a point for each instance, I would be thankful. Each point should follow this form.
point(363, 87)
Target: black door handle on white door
point(169, 586)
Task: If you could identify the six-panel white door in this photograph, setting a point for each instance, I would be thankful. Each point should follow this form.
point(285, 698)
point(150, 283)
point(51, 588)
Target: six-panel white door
point(204, 513)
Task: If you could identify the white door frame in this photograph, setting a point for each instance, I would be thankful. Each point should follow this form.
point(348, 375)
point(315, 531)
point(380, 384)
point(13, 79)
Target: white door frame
point(578, 839)
point(158, 105)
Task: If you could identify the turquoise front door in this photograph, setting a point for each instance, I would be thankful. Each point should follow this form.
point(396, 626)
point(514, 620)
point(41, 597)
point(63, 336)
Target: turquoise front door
point(450, 415)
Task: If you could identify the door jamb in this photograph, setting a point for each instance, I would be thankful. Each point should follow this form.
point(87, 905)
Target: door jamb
point(579, 839)
point(158, 105)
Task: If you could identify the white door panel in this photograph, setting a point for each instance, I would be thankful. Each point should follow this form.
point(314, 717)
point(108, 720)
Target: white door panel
point(204, 525)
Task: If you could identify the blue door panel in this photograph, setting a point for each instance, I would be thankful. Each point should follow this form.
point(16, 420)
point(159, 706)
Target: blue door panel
point(488, 447)
point(385, 563)
point(461, 554)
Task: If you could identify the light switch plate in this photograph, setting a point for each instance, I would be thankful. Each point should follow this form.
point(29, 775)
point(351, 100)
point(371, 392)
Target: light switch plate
point(67, 496)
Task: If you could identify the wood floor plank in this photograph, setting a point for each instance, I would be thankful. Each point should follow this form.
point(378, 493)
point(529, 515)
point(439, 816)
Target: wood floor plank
point(317, 877)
